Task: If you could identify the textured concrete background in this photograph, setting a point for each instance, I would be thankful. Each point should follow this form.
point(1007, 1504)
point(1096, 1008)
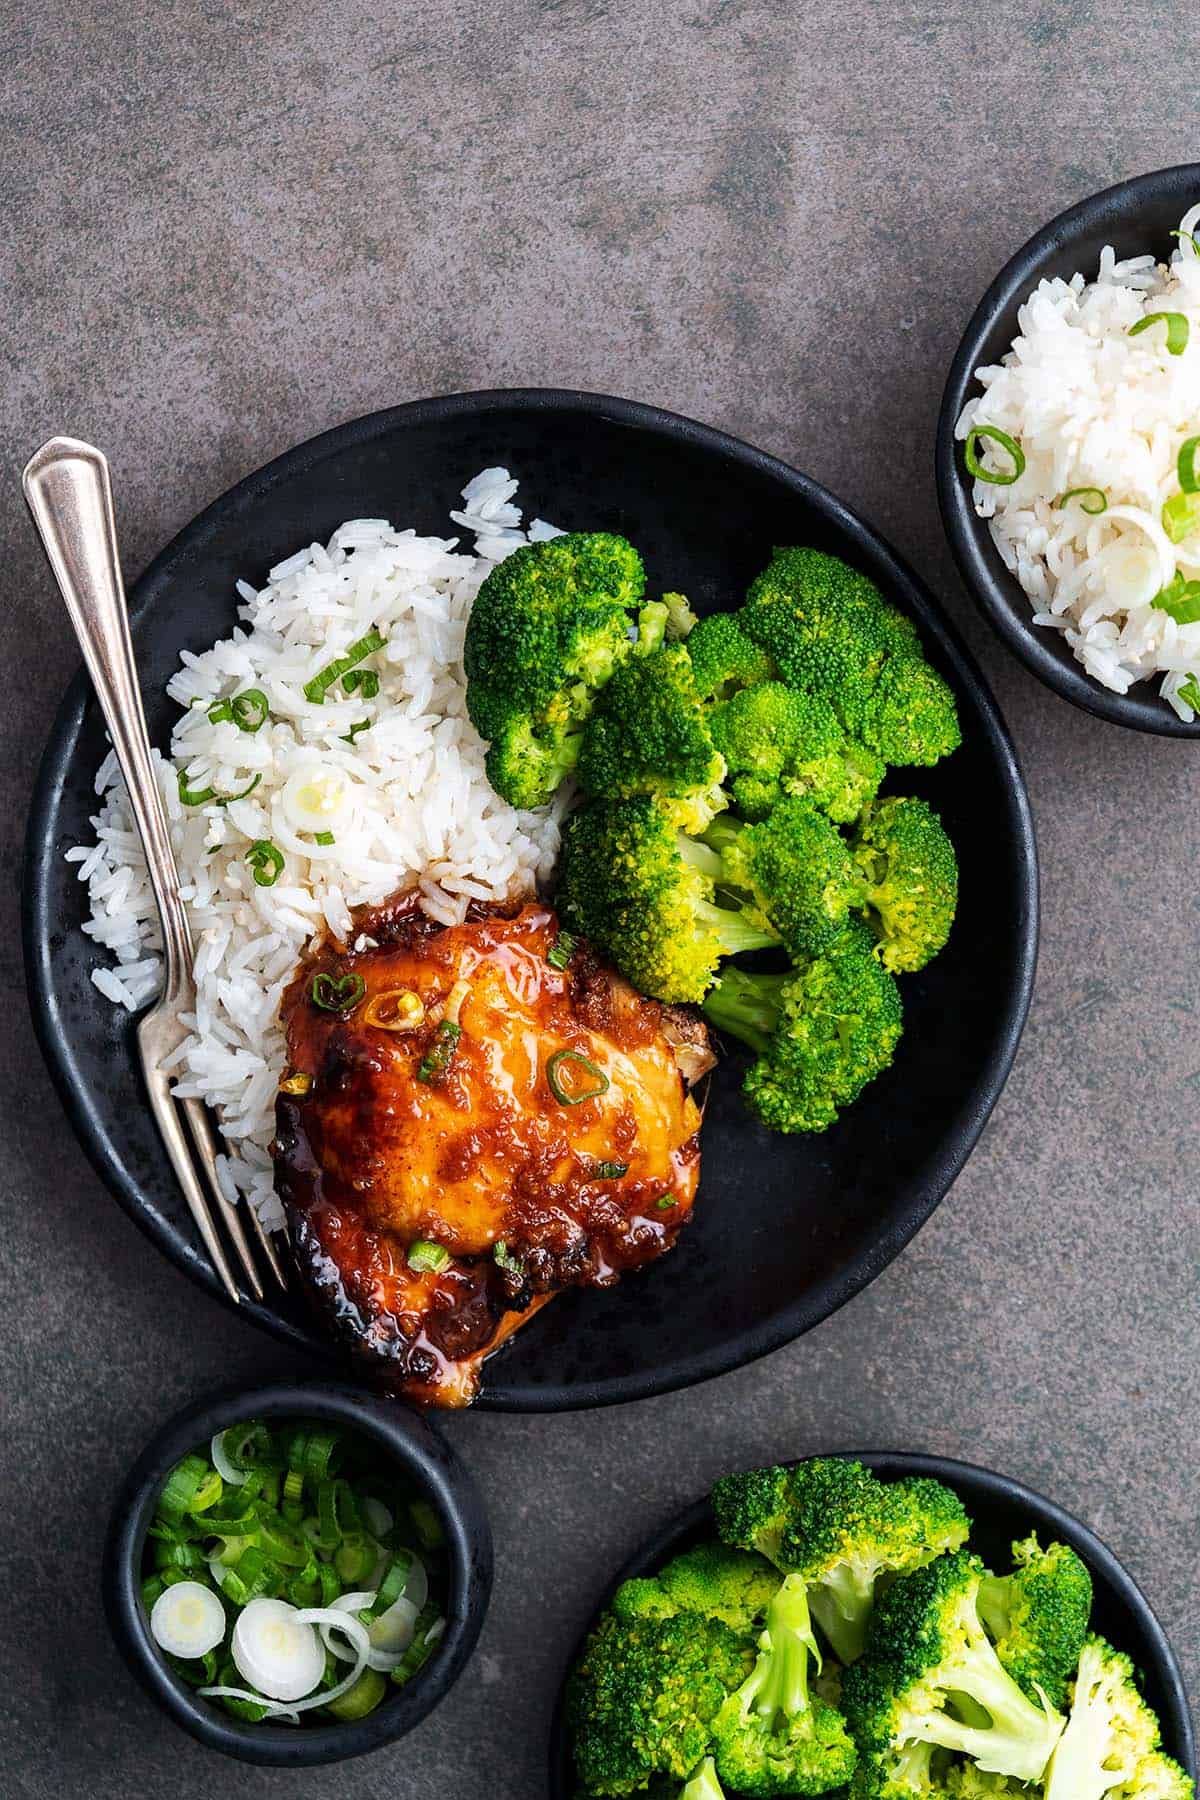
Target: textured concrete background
point(230, 226)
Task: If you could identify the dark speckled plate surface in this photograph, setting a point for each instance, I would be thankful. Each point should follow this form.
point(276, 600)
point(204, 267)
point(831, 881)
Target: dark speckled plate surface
point(786, 1229)
point(1001, 1510)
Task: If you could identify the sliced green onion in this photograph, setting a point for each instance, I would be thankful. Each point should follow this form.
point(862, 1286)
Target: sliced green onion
point(293, 1484)
point(437, 1059)
point(1181, 516)
point(337, 994)
point(315, 690)
point(266, 861)
point(428, 1258)
point(1096, 495)
point(187, 1620)
point(561, 951)
point(323, 837)
point(194, 796)
point(362, 681)
point(1177, 329)
point(971, 454)
point(426, 1633)
point(1186, 237)
point(1189, 692)
point(251, 709)
point(322, 1455)
point(192, 1486)
point(504, 1259)
point(228, 799)
point(1180, 600)
point(358, 725)
point(201, 796)
point(664, 1203)
point(362, 1698)
point(354, 1558)
point(1186, 465)
point(426, 1524)
point(391, 1587)
point(576, 1058)
point(610, 1171)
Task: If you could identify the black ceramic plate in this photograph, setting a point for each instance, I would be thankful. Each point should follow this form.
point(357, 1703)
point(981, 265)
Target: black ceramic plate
point(1001, 1510)
point(1136, 218)
point(787, 1229)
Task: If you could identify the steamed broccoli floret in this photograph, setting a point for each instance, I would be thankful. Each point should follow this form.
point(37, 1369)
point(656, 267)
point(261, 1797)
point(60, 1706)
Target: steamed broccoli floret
point(777, 740)
point(926, 1645)
point(751, 1508)
point(910, 717)
point(841, 1528)
point(724, 659)
point(821, 1033)
point(648, 734)
point(1157, 1777)
point(827, 627)
point(643, 1696)
point(831, 632)
point(911, 874)
point(548, 627)
point(734, 1586)
point(797, 867)
point(1111, 1732)
point(965, 1782)
point(626, 882)
point(846, 1528)
point(663, 621)
point(772, 1736)
point(1037, 1617)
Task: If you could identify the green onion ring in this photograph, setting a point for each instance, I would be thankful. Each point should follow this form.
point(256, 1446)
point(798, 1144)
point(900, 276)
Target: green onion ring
point(976, 468)
point(1177, 329)
point(610, 1171)
point(1189, 692)
point(1181, 516)
point(266, 861)
point(323, 837)
point(1083, 494)
point(337, 995)
point(436, 1061)
point(1186, 465)
point(250, 710)
point(1186, 237)
point(1180, 600)
point(562, 1094)
point(362, 681)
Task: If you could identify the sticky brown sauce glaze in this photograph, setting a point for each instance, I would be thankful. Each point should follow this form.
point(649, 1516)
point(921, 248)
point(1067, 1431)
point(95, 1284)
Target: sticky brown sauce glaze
point(550, 1143)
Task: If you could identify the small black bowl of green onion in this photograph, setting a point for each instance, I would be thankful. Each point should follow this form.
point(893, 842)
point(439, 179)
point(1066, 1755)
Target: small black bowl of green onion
point(297, 1574)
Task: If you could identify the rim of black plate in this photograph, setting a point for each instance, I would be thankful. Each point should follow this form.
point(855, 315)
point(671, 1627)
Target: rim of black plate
point(996, 592)
point(911, 1205)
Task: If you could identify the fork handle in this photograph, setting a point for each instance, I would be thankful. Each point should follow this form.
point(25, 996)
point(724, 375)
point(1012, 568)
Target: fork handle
point(69, 493)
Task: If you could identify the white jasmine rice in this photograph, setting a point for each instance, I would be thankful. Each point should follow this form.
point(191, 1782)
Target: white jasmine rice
point(1093, 407)
point(405, 802)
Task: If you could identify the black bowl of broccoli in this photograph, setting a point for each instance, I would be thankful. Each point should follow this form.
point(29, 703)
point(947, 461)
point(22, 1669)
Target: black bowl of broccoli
point(920, 1595)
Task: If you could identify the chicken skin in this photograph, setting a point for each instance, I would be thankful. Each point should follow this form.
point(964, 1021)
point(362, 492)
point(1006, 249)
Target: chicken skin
point(466, 1127)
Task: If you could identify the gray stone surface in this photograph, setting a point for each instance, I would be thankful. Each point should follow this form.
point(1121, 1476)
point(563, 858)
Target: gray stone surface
point(231, 226)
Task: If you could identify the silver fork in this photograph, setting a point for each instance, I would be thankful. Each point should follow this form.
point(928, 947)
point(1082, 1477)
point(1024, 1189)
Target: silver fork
point(69, 493)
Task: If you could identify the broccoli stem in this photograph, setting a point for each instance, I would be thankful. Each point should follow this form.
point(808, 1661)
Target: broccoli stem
point(1021, 1736)
point(842, 1608)
point(777, 1686)
point(703, 1784)
point(746, 1006)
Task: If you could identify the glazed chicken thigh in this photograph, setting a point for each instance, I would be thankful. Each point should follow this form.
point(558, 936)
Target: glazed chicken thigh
point(466, 1127)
